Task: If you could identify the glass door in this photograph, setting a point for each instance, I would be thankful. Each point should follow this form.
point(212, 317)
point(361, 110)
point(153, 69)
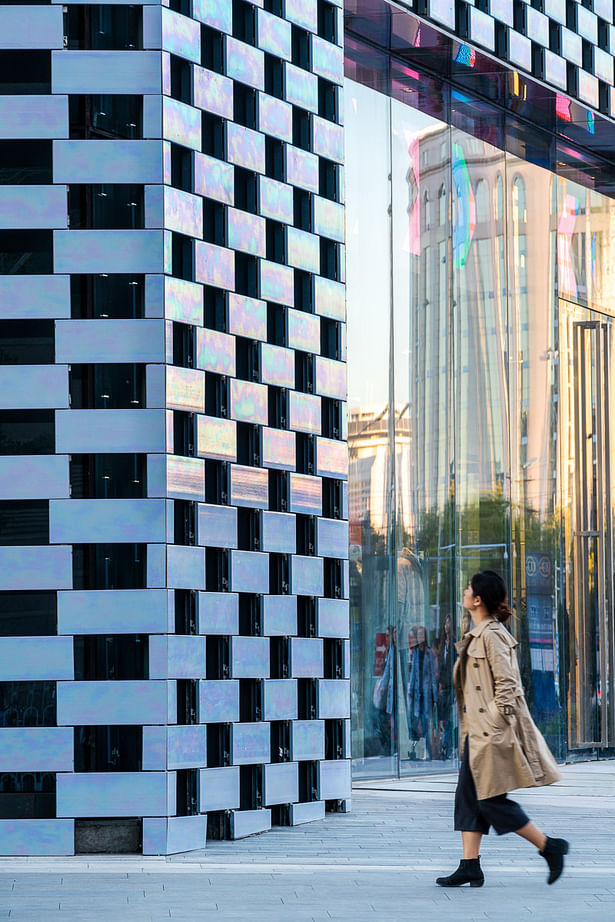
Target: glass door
point(586, 344)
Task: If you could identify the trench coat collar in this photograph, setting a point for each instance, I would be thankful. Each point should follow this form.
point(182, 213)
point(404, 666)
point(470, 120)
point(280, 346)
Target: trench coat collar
point(462, 645)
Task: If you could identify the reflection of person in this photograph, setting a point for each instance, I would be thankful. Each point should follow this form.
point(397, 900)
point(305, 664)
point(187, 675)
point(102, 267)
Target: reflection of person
point(422, 689)
point(384, 693)
point(502, 748)
point(445, 688)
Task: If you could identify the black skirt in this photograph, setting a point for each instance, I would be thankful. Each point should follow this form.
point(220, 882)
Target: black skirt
point(473, 815)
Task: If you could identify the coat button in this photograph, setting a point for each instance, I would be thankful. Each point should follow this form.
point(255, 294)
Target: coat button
point(476, 665)
point(478, 688)
point(485, 733)
point(481, 710)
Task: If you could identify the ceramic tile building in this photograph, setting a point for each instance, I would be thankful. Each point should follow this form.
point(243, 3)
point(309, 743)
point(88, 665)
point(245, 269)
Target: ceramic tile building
point(174, 654)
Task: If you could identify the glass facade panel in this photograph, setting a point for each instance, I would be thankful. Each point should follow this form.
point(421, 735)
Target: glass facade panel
point(479, 301)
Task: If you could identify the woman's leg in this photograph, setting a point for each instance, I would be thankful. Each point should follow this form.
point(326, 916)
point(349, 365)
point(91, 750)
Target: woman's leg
point(533, 834)
point(471, 844)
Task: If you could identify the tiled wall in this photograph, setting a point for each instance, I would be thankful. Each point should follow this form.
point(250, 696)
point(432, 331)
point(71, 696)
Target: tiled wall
point(208, 188)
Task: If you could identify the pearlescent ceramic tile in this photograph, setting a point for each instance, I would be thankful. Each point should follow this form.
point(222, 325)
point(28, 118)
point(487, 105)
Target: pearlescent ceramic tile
point(304, 412)
point(213, 92)
point(185, 389)
point(275, 200)
point(277, 283)
point(249, 572)
point(214, 179)
point(331, 458)
point(279, 449)
point(302, 169)
point(216, 438)
point(215, 351)
point(328, 218)
point(301, 88)
point(327, 60)
point(218, 14)
point(302, 250)
point(277, 365)
point(305, 494)
point(329, 298)
point(183, 212)
point(328, 139)
point(249, 402)
point(303, 13)
point(183, 301)
point(275, 117)
point(245, 63)
point(245, 147)
point(185, 477)
point(303, 331)
point(330, 378)
point(181, 123)
point(247, 317)
point(215, 265)
point(274, 35)
point(249, 486)
point(245, 232)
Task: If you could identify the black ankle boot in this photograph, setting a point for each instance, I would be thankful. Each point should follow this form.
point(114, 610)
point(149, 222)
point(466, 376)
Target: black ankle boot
point(468, 872)
point(553, 853)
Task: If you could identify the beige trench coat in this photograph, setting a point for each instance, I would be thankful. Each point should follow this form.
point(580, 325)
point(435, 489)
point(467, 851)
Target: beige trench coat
point(507, 751)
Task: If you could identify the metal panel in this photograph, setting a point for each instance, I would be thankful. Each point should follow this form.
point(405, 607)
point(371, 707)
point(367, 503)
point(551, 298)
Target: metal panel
point(249, 657)
point(305, 494)
point(185, 567)
point(34, 296)
point(307, 740)
point(279, 532)
point(332, 538)
point(24, 117)
point(249, 571)
point(250, 743)
point(274, 35)
point(186, 656)
point(103, 161)
point(306, 576)
point(277, 283)
point(100, 703)
point(186, 833)
point(218, 701)
point(214, 179)
point(245, 232)
point(333, 618)
point(333, 698)
point(185, 389)
point(29, 386)
point(218, 613)
point(214, 265)
point(249, 402)
point(185, 477)
point(37, 837)
point(106, 72)
point(32, 207)
point(36, 567)
point(36, 749)
point(275, 200)
point(245, 63)
point(279, 615)
point(125, 611)
point(331, 458)
point(217, 438)
point(215, 351)
point(249, 487)
point(187, 747)
point(249, 822)
point(108, 251)
point(275, 117)
point(247, 317)
point(213, 92)
point(303, 331)
point(216, 525)
point(245, 147)
point(214, 14)
point(280, 699)
point(75, 521)
point(111, 794)
point(110, 431)
point(334, 780)
point(277, 366)
point(35, 658)
point(329, 298)
point(34, 477)
point(304, 413)
point(279, 449)
point(181, 123)
point(110, 341)
point(281, 783)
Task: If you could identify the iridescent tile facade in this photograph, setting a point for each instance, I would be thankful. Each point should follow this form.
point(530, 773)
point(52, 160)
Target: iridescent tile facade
point(191, 304)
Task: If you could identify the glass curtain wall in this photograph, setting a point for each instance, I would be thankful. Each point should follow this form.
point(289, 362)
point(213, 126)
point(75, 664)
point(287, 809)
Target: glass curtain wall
point(479, 341)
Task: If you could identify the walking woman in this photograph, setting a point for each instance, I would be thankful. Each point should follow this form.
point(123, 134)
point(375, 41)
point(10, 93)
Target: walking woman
point(502, 749)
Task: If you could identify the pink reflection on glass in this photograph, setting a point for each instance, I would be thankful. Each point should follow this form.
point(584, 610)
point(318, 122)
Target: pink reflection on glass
point(304, 412)
point(277, 283)
point(279, 449)
point(303, 331)
point(330, 378)
point(216, 438)
point(276, 200)
point(213, 92)
point(247, 316)
point(245, 147)
point(215, 265)
point(215, 351)
point(565, 234)
point(245, 232)
point(277, 366)
point(249, 402)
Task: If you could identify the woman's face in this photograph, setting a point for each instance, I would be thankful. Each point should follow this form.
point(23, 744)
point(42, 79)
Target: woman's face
point(468, 598)
point(447, 624)
point(420, 635)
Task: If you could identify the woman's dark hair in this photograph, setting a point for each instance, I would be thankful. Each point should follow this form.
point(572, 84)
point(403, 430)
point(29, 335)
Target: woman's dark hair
point(490, 586)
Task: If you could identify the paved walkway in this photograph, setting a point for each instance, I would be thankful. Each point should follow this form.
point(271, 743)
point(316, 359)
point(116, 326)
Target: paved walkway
point(376, 864)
